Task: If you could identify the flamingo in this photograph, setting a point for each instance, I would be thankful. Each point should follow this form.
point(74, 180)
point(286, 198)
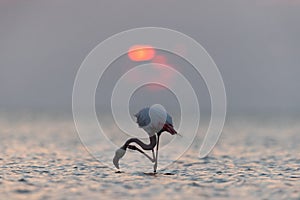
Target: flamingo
point(154, 121)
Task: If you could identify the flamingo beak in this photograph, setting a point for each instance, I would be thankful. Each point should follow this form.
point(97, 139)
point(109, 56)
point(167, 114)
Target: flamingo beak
point(118, 155)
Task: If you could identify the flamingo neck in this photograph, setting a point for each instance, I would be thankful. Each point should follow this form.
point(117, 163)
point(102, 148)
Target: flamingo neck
point(144, 146)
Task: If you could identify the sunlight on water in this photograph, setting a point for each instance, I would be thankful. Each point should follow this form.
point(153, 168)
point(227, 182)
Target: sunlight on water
point(43, 158)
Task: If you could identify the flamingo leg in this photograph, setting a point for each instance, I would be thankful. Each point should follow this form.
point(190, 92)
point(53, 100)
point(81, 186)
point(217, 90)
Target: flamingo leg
point(156, 157)
point(153, 155)
point(132, 147)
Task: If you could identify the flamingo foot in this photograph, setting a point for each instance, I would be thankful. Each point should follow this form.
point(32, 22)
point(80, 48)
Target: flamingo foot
point(155, 167)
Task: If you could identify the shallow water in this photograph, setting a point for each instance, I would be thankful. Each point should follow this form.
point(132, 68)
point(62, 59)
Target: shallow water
point(40, 160)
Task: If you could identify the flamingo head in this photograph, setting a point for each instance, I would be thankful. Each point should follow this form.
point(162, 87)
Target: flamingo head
point(118, 155)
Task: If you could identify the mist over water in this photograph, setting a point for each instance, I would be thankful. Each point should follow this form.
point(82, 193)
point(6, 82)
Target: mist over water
point(43, 158)
point(255, 45)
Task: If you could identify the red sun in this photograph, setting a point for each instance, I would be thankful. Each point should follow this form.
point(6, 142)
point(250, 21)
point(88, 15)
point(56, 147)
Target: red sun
point(141, 53)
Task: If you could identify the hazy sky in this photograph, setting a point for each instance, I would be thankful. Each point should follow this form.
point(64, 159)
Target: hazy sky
point(255, 44)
